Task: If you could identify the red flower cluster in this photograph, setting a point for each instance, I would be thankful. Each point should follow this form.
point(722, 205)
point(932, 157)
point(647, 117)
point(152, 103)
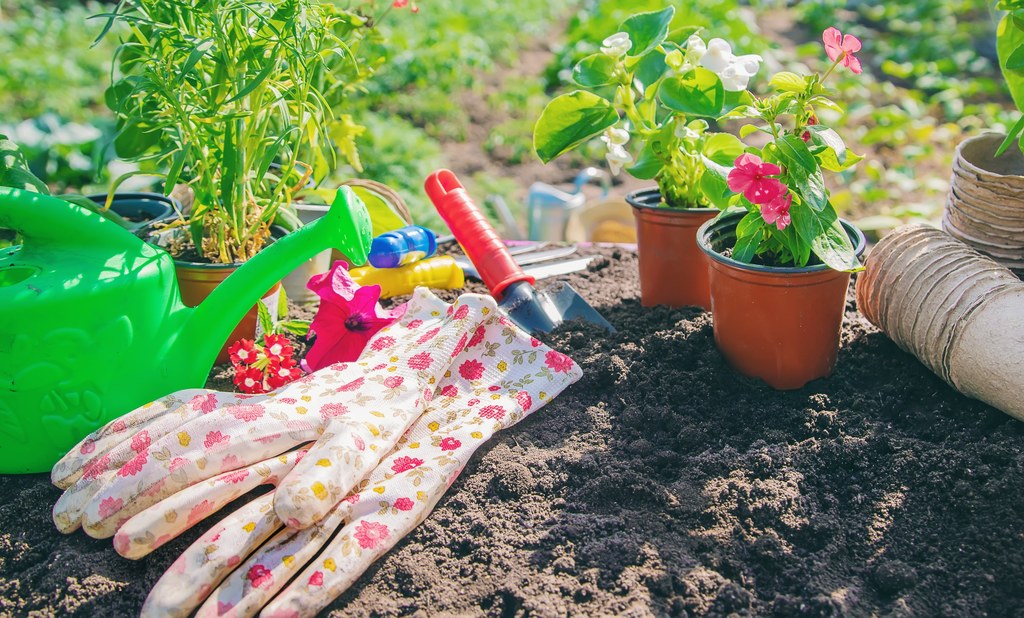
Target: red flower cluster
point(263, 368)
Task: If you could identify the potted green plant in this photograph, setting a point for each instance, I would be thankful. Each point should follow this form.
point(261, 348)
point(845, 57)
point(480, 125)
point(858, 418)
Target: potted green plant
point(983, 207)
point(653, 92)
point(780, 257)
point(211, 95)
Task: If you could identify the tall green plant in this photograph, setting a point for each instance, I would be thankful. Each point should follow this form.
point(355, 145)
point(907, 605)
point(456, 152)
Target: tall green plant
point(1010, 45)
point(211, 92)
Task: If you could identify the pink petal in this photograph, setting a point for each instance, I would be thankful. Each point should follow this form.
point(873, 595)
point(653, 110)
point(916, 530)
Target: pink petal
point(747, 160)
point(768, 169)
point(853, 63)
point(764, 191)
point(851, 44)
point(833, 42)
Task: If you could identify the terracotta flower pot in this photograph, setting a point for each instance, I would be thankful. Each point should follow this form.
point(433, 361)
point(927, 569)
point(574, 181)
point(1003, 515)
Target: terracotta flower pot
point(673, 271)
point(775, 323)
point(197, 280)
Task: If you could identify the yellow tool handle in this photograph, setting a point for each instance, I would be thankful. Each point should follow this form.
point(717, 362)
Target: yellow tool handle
point(440, 272)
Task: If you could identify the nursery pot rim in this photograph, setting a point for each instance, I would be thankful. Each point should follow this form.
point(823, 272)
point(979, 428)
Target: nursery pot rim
point(704, 242)
point(635, 198)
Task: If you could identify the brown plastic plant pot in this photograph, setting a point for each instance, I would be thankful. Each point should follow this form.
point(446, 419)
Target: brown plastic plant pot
point(673, 271)
point(196, 281)
point(778, 324)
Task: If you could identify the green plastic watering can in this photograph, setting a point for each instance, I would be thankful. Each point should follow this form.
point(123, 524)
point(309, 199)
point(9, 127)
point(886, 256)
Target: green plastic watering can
point(92, 324)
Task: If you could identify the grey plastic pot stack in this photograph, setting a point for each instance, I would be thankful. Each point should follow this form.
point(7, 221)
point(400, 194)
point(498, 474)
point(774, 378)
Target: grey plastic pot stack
point(959, 312)
point(985, 206)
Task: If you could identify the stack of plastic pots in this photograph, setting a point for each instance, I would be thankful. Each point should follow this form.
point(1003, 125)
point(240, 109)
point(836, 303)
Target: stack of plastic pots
point(957, 311)
point(985, 207)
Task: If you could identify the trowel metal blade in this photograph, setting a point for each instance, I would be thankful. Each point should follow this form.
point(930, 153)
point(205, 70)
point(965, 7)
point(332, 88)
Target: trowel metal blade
point(536, 310)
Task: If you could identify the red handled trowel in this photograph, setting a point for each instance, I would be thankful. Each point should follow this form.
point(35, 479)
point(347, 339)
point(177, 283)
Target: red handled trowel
point(530, 308)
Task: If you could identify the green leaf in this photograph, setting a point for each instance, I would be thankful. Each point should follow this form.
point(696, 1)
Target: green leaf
point(829, 138)
point(14, 170)
point(266, 324)
point(193, 58)
point(647, 30)
point(830, 162)
point(1009, 41)
point(594, 70)
point(282, 303)
point(736, 101)
point(794, 154)
point(748, 237)
point(720, 171)
point(715, 188)
point(812, 188)
point(569, 120)
point(647, 164)
point(788, 82)
point(296, 327)
point(1014, 132)
point(748, 129)
point(722, 148)
point(649, 70)
point(1015, 62)
point(698, 93)
point(826, 237)
point(383, 216)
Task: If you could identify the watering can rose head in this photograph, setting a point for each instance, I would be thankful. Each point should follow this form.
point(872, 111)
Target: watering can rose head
point(651, 95)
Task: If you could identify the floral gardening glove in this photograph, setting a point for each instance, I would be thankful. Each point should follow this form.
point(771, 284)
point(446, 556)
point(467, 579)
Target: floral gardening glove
point(354, 412)
point(500, 377)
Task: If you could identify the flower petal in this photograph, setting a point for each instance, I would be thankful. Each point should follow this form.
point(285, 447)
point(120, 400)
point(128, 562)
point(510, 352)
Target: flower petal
point(853, 63)
point(833, 39)
point(851, 44)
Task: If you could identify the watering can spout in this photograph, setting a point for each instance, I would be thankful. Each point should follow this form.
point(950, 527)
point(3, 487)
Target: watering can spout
point(346, 227)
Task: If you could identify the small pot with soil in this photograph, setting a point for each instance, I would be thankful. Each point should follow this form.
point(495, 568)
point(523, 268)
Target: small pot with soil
point(777, 323)
point(673, 270)
point(141, 210)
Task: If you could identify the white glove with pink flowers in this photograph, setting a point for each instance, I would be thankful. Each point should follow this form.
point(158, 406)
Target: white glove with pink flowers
point(355, 412)
point(484, 374)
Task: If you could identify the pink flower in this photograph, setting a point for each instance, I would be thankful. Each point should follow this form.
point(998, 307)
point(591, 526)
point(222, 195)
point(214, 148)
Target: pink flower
point(176, 463)
point(558, 362)
point(316, 579)
point(109, 506)
point(351, 386)
point(843, 47)
point(400, 4)
point(492, 412)
point(133, 466)
point(450, 444)
point(777, 211)
point(87, 447)
point(349, 315)
point(524, 400)
point(449, 391)
point(393, 381)
point(214, 438)
point(404, 504)
point(260, 576)
point(403, 464)
point(370, 534)
point(427, 336)
point(247, 413)
point(243, 352)
point(750, 176)
point(421, 361)
point(415, 323)
point(351, 499)
point(204, 403)
point(471, 369)
point(235, 477)
point(460, 345)
point(462, 312)
point(141, 441)
point(383, 342)
point(199, 512)
point(534, 342)
point(478, 336)
point(359, 443)
point(330, 410)
point(119, 426)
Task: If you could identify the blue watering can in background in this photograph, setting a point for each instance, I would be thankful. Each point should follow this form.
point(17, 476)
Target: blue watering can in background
point(550, 208)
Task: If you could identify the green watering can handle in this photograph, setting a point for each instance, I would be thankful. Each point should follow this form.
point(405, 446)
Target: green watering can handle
point(43, 219)
point(346, 227)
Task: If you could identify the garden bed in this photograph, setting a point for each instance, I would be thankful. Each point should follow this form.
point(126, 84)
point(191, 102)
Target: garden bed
point(663, 483)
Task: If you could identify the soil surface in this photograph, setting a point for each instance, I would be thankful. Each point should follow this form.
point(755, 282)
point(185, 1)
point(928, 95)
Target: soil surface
point(662, 484)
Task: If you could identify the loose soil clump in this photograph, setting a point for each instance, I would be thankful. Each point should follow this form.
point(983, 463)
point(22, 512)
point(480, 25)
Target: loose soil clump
point(662, 484)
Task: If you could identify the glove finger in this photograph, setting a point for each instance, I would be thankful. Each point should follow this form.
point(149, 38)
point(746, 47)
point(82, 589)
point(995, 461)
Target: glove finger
point(255, 582)
point(206, 447)
point(335, 465)
point(173, 409)
point(168, 518)
point(202, 566)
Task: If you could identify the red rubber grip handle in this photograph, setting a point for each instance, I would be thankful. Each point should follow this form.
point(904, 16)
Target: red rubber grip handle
point(478, 239)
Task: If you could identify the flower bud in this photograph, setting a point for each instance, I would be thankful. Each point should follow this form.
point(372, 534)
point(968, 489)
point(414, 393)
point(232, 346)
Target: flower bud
point(616, 45)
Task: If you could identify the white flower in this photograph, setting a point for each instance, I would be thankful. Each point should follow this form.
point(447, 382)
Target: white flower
point(683, 131)
point(695, 48)
point(617, 157)
point(734, 79)
point(616, 45)
point(615, 137)
point(749, 63)
point(718, 57)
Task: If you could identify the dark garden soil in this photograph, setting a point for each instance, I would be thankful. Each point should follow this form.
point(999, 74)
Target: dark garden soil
point(663, 483)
